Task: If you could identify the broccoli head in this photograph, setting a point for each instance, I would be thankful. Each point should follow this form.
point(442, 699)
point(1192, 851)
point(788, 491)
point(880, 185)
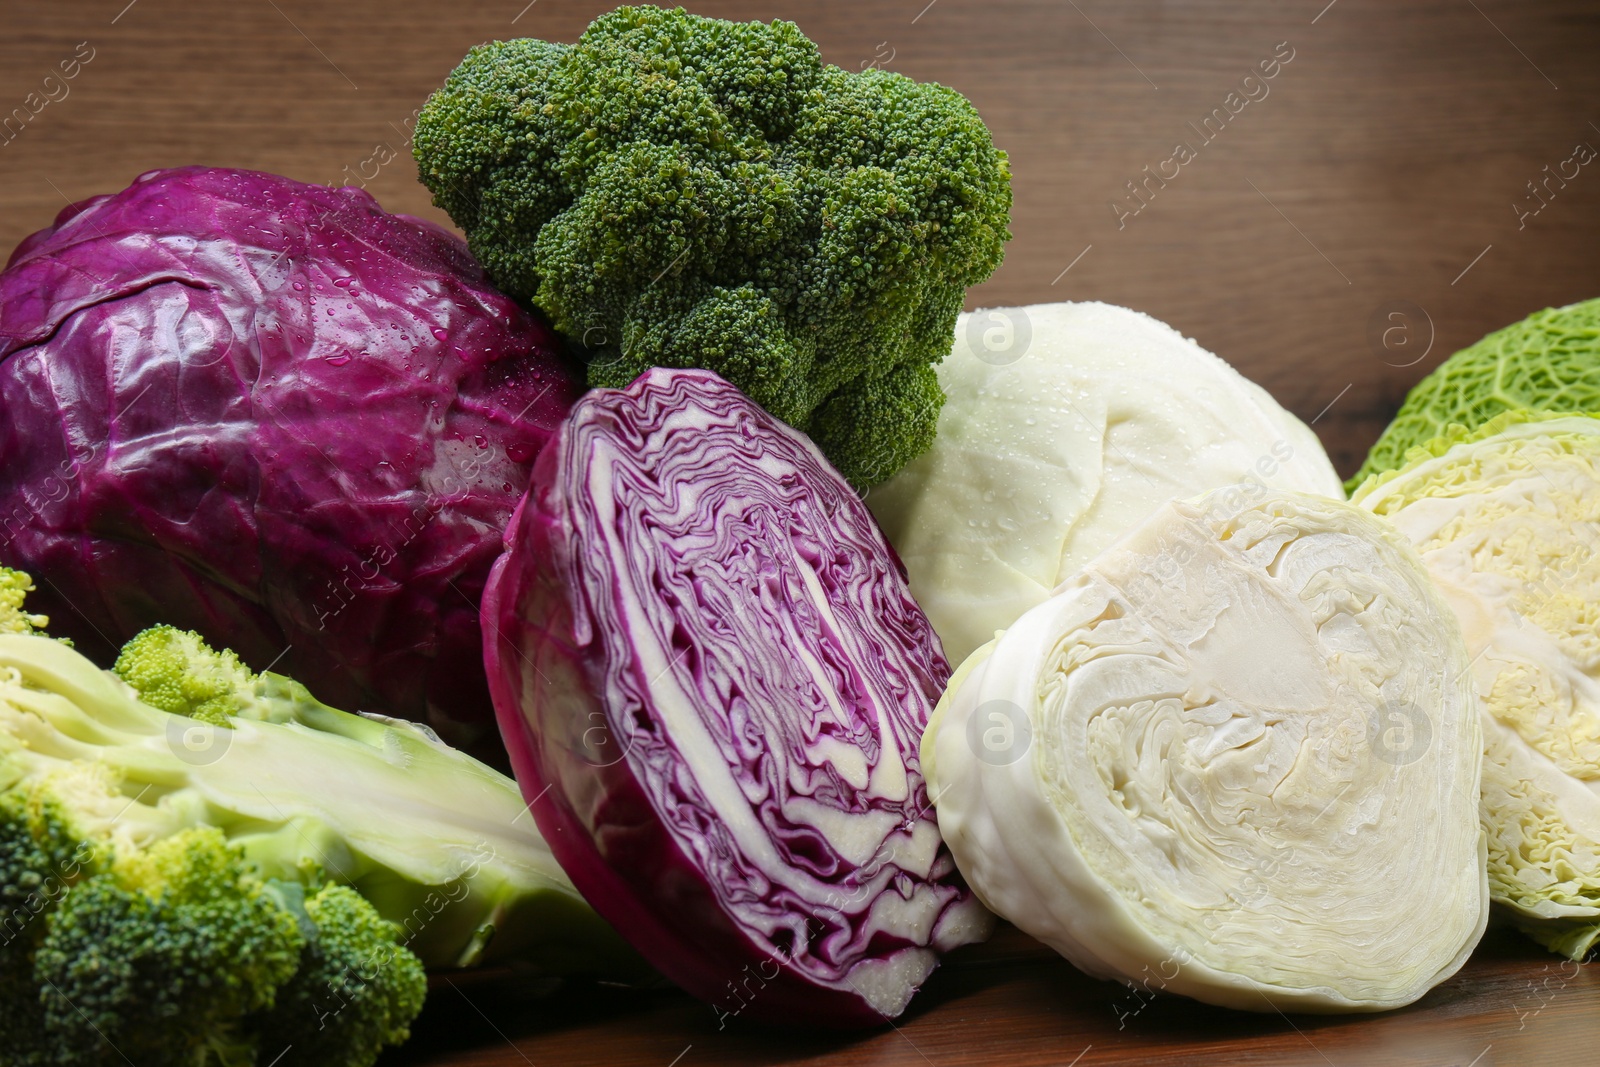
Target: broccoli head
point(160, 957)
point(682, 191)
point(1548, 362)
point(134, 932)
point(265, 887)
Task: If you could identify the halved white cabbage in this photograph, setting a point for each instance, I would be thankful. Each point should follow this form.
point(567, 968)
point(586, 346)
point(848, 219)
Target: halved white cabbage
point(1507, 519)
point(1064, 425)
point(1236, 756)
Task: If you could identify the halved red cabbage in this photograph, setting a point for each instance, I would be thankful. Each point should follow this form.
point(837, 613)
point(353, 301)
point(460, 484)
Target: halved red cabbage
point(712, 680)
point(276, 414)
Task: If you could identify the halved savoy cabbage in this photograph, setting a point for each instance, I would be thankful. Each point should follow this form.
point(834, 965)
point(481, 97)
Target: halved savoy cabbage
point(1507, 519)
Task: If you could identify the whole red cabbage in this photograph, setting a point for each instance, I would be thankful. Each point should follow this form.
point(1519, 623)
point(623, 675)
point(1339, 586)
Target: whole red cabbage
point(713, 681)
point(278, 415)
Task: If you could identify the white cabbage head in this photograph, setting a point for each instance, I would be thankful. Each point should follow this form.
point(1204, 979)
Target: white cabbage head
point(1236, 757)
point(1507, 519)
point(1065, 425)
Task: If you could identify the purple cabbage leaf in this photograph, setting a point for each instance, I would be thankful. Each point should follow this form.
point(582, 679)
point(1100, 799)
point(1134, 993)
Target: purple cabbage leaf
point(278, 415)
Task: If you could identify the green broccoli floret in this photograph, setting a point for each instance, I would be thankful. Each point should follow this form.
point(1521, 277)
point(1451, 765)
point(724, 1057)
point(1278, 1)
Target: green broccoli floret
point(181, 892)
point(39, 861)
point(681, 191)
point(132, 936)
point(159, 959)
point(14, 587)
point(176, 671)
point(1548, 362)
point(355, 986)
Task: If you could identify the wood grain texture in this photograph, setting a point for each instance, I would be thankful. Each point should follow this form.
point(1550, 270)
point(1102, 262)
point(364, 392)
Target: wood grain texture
point(1014, 1003)
point(1387, 155)
point(1381, 171)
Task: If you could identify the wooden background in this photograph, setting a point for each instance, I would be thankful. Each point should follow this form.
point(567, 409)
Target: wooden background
point(1388, 155)
point(1385, 172)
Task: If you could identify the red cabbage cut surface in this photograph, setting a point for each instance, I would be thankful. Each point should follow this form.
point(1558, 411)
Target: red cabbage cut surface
point(278, 415)
point(713, 680)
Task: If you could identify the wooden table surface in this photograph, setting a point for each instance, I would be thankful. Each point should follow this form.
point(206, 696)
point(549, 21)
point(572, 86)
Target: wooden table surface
point(1389, 169)
point(1015, 1003)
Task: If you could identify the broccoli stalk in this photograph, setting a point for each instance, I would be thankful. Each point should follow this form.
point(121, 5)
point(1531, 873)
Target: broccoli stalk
point(441, 844)
point(681, 191)
point(267, 883)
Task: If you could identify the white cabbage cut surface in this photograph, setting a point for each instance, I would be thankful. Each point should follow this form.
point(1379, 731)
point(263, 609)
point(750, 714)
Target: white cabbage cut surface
point(1252, 775)
point(1508, 521)
point(1042, 463)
